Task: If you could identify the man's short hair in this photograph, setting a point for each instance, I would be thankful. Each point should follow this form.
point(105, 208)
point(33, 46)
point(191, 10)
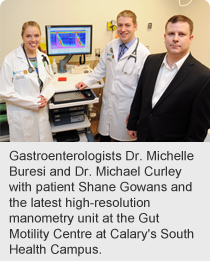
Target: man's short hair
point(128, 13)
point(180, 18)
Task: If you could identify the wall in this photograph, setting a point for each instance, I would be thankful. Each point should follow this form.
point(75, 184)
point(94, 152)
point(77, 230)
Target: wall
point(13, 13)
point(199, 12)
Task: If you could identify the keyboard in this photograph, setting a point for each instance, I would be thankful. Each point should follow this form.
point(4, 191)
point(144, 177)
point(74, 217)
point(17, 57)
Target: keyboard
point(65, 97)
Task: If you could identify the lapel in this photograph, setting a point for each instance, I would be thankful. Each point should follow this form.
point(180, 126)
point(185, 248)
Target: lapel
point(40, 65)
point(39, 58)
point(116, 49)
point(21, 54)
point(181, 75)
point(153, 67)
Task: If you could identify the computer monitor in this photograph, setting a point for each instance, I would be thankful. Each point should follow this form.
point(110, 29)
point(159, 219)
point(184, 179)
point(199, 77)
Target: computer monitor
point(68, 40)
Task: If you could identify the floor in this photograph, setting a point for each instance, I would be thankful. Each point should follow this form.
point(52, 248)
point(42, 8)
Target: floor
point(94, 129)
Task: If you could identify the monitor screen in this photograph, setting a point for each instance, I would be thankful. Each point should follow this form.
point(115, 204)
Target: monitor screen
point(72, 39)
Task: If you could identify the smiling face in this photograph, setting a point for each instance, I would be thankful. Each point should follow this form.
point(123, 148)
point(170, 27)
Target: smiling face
point(31, 38)
point(126, 29)
point(178, 39)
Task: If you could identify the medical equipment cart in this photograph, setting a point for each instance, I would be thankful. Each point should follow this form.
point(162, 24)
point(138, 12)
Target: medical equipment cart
point(66, 82)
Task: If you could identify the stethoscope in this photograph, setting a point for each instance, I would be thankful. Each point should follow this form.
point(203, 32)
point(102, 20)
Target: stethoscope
point(32, 69)
point(129, 66)
point(44, 60)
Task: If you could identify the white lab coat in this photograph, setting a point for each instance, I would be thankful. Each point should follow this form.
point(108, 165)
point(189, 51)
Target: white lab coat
point(119, 88)
point(20, 89)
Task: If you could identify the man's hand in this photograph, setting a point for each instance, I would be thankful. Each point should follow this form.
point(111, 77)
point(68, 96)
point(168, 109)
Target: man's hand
point(81, 86)
point(43, 101)
point(127, 118)
point(132, 134)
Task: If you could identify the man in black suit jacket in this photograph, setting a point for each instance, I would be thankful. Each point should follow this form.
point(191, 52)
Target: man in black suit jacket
point(172, 100)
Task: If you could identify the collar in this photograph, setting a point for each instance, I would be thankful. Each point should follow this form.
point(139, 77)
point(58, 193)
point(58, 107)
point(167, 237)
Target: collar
point(177, 64)
point(21, 52)
point(129, 44)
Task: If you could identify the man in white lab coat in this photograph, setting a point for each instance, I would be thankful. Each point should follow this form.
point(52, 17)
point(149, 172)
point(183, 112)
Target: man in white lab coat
point(121, 63)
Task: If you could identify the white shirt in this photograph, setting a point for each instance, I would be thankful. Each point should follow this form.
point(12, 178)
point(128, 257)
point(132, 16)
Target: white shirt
point(165, 76)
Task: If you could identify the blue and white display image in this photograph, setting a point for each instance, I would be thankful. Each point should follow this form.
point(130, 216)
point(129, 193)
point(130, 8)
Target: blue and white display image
point(64, 40)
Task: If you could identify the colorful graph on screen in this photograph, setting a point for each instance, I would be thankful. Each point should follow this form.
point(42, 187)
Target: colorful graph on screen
point(68, 39)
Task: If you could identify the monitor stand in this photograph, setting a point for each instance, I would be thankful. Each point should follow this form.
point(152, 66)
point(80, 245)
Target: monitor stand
point(64, 62)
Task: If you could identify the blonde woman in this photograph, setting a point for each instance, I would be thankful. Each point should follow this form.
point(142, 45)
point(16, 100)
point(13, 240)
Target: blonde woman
point(26, 85)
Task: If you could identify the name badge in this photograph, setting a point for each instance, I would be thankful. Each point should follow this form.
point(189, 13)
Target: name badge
point(19, 77)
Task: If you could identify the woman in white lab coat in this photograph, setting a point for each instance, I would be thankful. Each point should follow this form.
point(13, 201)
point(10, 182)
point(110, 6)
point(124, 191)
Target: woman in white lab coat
point(26, 85)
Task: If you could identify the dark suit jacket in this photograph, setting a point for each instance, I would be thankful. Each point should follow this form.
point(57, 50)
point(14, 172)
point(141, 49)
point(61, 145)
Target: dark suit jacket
point(182, 112)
